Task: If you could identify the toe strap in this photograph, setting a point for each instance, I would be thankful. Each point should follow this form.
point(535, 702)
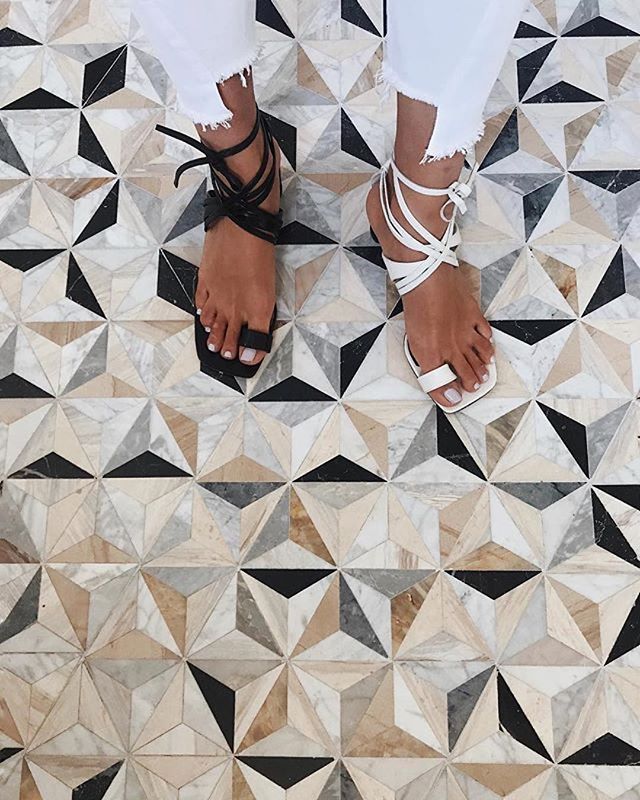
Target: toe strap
point(433, 379)
point(436, 378)
point(257, 340)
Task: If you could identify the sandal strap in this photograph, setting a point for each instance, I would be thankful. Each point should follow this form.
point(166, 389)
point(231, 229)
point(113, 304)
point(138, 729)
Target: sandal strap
point(408, 275)
point(229, 197)
point(257, 340)
point(434, 378)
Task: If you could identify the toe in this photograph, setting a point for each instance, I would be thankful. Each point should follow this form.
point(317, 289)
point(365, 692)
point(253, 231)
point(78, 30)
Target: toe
point(201, 297)
point(479, 369)
point(207, 314)
point(229, 347)
point(449, 395)
point(218, 332)
point(484, 329)
point(464, 371)
point(483, 348)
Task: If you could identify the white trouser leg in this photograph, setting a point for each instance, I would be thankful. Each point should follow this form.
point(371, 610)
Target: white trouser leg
point(200, 43)
point(448, 53)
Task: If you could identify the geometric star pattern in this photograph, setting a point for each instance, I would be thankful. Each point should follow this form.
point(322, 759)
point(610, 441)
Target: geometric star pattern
point(313, 583)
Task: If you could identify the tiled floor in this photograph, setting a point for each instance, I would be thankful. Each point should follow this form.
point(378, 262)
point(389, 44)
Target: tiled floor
point(313, 585)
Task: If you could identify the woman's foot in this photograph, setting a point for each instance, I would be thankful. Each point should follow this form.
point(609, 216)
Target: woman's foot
point(443, 321)
point(236, 278)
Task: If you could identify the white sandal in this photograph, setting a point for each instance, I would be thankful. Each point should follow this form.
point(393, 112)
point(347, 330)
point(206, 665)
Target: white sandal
point(408, 275)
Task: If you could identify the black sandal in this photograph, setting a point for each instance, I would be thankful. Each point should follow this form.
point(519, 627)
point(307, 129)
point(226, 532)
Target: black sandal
point(240, 202)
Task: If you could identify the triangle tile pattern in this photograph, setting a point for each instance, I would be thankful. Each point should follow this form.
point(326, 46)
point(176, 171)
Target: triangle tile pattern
point(313, 583)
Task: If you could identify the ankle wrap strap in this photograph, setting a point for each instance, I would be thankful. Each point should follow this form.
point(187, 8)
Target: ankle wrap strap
point(408, 275)
point(229, 197)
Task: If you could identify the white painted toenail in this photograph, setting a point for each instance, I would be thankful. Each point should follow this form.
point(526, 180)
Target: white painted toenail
point(198, 311)
point(476, 385)
point(492, 360)
point(212, 347)
point(485, 377)
point(248, 354)
point(227, 354)
point(208, 330)
point(453, 395)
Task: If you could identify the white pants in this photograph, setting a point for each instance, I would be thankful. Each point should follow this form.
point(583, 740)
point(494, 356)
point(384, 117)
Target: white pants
point(445, 52)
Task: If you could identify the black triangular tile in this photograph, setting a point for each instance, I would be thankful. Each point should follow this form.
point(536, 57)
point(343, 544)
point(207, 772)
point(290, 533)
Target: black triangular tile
point(354, 622)
point(493, 583)
point(25, 259)
point(37, 99)
point(291, 390)
point(507, 142)
point(340, 469)
point(176, 281)
point(16, 386)
point(25, 610)
point(599, 26)
point(629, 637)
point(286, 136)
point(220, 699)
point(298, 233)
point(450, 446)
point(95, 788)
point(610, 287)
point(515, 722)
point(627, 493)
point(526, 31)
point(536, 203)
point(104, 76)
point(371, 253)
point(529, 66)
point(104, 216)
point(352, 142)
point(353, 354)
point(285, 771)
point(268, 14)
point(572, 433)
point(613, 180)
point(607, 750)
point(608, 535)
point(461, 701)
point(351, 11)
point(9, 152)
point(51, 466)
point(11, 38)
point(563, 92)
point(288, 582)
point(240, 494)
point(147, 465)
point(79, 291)
point(90, 148)
point(8, 752)
point(530, 331)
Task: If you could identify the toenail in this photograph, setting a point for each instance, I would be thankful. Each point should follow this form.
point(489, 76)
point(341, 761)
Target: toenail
point(485, 377)
point(212, 347)
point(453, 395)
point(198, 311)
point(248, 354)
point(476, 385)
point(227, 354)
point(492, 360)
point(208, 330)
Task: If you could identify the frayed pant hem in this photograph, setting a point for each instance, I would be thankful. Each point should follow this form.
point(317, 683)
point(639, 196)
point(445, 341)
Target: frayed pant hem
point(200, 113)
point(389, 79)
